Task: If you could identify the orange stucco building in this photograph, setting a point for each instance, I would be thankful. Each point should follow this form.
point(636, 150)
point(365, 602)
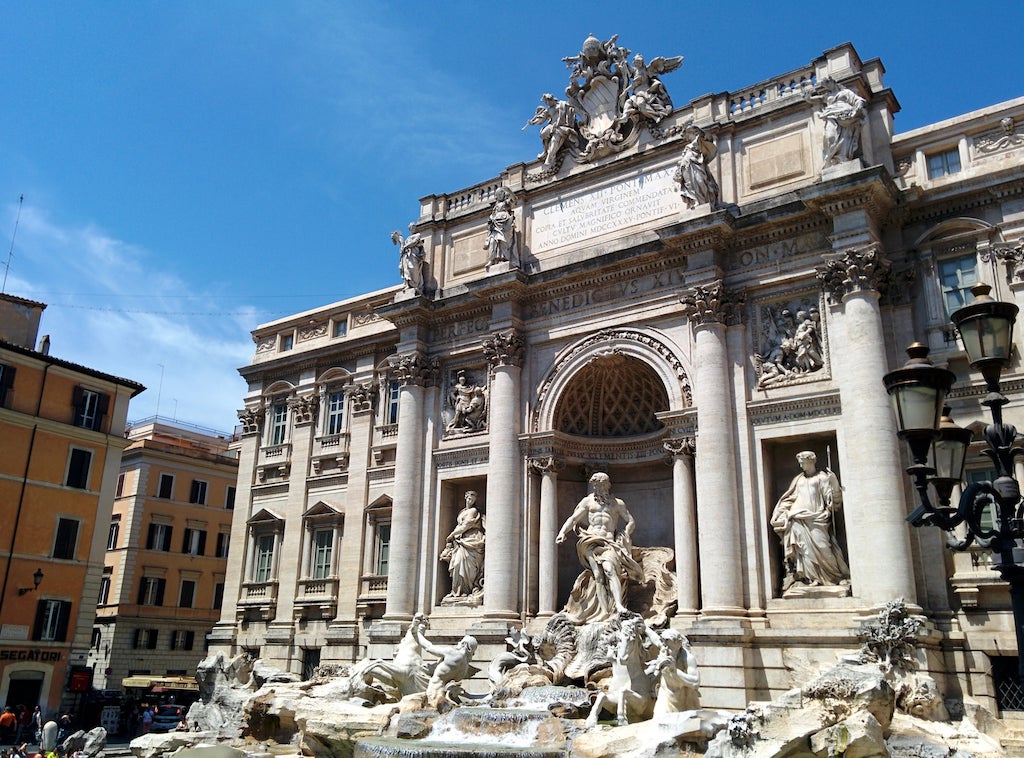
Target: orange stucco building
point(61, 437)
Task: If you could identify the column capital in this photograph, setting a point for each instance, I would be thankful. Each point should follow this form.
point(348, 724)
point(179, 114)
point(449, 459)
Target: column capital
point(1010, 255)
point(504, 349)
point(713, 304)
point(304, 407)
point(857, 270)
point(251, 419)
point(413, 369)
point(677, 446)
point(546, 464)
point(362, 395)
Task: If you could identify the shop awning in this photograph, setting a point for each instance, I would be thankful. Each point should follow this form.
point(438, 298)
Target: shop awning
point(164, 683)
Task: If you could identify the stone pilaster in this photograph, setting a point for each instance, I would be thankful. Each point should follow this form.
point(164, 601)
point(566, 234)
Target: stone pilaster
point(684, 512)
point(877, 535)
point(502, 559)
point(547, 572)
point(413, 371)
point(360, 429)
point(709, 308)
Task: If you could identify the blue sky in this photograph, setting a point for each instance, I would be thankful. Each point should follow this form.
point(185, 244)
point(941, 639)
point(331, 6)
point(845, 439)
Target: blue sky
point(193, 169)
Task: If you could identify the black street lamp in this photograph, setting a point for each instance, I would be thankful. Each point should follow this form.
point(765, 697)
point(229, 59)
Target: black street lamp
point(938, 447)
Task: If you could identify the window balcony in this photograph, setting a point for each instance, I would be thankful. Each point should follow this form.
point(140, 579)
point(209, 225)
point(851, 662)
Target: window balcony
point(274, 461)
point(373, 591)
point(259, 597)
point(330, 453)
point(317, 598)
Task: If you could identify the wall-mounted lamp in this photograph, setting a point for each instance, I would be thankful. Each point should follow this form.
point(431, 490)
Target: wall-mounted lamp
point(37, 578)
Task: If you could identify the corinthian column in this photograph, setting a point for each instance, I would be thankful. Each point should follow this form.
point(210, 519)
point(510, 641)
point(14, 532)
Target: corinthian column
point(718, 521)
point(547, 571)
point(502, 559)
point(877, 535)
point(413, 372)
point(684, 516)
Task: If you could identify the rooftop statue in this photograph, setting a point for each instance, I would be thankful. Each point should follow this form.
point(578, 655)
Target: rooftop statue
point(501, 229)
point(609, 100)
point(697, 184)
point(843, 111)
point(411, 258)
point(560, 127)
point(803, 519)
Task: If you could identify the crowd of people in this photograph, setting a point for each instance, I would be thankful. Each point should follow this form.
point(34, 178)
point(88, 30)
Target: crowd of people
point(21, 728)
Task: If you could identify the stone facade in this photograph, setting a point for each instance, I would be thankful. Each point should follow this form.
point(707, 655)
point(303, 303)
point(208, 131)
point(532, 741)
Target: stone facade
point(687, 343)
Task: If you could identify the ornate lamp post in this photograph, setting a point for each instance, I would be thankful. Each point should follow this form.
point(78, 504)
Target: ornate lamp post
point(938, 447)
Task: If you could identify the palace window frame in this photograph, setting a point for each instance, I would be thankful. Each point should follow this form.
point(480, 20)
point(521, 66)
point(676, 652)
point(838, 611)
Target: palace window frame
point(165, 488)
point(7, 374)
point(90, 406)
point(324, 528)
point(52, 619)
point(65, 538)
point(79, 466)
point(942, 163)
point(265, 530)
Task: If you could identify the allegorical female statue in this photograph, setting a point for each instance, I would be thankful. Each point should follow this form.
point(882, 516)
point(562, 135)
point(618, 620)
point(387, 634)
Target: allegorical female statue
point(803, 519)
point(464, 553)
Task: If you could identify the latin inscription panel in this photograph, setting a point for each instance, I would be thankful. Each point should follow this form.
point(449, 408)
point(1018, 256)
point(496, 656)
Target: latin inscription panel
point(577, 218)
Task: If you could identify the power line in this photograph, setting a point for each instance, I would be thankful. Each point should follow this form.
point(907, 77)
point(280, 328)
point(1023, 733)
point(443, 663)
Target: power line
point(144, 312)
point(10, 253)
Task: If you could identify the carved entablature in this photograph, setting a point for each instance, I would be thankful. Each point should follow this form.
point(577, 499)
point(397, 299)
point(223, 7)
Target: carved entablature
point(251, 420)
point(312, 331)
point(1006, 137)
point(413, 369)
point(362, 396)
point(790, 336)
point(465, 406)
point(1012, 256)
point(676, 446)
point(713, 304)
point(854, 271)
point(304, 408)
point(792, 411)
point(504, 349)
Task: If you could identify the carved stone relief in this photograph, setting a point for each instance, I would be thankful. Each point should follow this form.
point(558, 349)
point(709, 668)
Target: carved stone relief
point(504, 349)
point(465, 410)
point(304, 408)
point(362, 396)
point(1005, 137)
point(610, 99)
point(790, 342)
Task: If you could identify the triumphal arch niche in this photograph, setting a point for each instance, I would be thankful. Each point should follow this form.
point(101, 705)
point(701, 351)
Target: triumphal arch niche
point(610, 402)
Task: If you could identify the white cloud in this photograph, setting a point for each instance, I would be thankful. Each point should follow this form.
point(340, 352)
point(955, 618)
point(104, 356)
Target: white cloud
point(114, 307)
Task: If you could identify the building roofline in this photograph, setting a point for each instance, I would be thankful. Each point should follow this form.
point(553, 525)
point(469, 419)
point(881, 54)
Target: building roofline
point(135, 386)
point(23, 300)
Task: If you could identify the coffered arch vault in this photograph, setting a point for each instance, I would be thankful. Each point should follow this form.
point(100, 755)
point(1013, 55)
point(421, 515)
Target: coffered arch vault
point(578, 393)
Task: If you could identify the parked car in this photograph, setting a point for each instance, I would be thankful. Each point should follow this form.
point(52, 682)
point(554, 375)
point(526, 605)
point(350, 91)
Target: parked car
point(166, 717)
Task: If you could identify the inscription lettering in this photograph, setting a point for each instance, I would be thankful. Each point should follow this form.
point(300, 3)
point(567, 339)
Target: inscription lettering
point(777, 251)
point(460, 329)
point(617, 206)
point(606, 293)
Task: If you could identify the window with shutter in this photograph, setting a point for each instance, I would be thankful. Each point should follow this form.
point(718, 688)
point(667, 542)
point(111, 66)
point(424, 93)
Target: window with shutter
point(6, 383)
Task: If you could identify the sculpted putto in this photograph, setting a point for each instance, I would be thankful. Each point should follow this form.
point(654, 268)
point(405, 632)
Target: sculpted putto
point(803, 520)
